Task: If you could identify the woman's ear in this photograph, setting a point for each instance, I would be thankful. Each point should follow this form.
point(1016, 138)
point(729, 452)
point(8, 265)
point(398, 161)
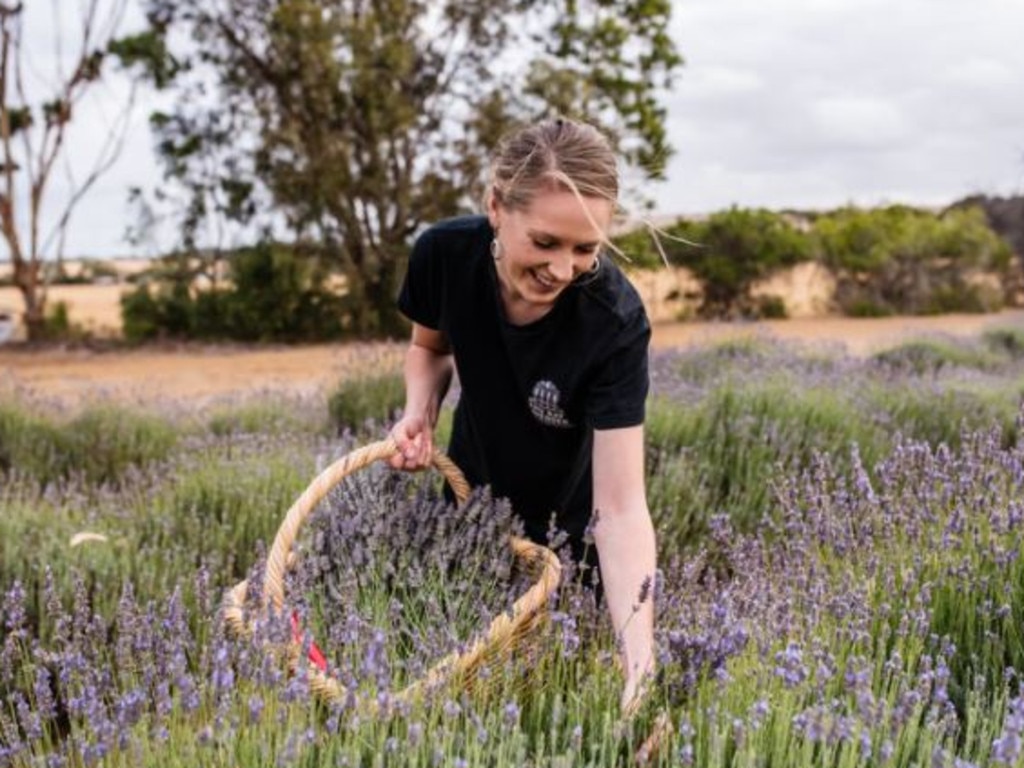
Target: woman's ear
point(493, 210)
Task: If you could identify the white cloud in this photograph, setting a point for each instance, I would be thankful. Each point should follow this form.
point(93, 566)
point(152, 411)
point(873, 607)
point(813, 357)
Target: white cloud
point(860, 122)
point(716, 82)
point(981, 72)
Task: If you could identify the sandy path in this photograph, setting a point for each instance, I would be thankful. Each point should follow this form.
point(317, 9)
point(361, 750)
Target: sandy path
point(195, 373)
point(202, 373)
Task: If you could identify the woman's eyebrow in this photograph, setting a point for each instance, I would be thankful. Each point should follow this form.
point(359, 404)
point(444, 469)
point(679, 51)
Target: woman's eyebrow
point(538, 235)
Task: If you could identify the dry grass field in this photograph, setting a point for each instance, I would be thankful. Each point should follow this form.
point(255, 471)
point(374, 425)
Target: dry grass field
point(96, 308)
point(204, 372)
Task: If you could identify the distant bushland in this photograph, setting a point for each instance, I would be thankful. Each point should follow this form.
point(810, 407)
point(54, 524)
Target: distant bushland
point(893, 260)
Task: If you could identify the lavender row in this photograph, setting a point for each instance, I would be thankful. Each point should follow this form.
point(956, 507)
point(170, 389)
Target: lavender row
point(841, 585)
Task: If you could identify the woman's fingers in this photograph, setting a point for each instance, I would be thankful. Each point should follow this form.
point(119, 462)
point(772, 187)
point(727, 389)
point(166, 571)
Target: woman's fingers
point(403, 442)
point(415, 446)
point(419, 457)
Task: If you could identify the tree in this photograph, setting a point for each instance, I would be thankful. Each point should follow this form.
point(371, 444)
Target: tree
point(899, 259)
point(351, 123)
point(36, 111)
point(732, 250)
point(270, 294)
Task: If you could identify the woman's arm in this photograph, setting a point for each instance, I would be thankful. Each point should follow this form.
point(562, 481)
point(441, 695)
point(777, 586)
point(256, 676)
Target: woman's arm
point(428, 372)
point(624, 536)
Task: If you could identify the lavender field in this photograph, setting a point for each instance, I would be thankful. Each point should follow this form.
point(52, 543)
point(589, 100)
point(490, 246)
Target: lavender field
point(840, 547)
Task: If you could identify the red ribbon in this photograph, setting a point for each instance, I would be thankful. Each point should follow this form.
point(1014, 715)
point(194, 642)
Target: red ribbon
point(316, 656)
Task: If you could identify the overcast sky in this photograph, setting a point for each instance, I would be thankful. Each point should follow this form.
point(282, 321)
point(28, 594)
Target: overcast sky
point(781, 103)
point(816, 103)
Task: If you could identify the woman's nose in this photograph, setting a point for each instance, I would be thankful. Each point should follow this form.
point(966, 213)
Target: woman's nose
point(561, 267)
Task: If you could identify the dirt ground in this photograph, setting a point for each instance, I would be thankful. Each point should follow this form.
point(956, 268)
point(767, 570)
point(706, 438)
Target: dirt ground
point(202, 374)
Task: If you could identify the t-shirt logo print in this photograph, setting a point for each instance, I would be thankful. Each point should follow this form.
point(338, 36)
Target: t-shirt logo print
point(544, 405)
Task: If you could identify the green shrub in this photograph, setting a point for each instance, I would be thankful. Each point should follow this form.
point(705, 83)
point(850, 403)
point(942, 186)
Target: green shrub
point(724, 359)
point(732, 250)
point(208, 509)
point(901, 260)
point(167, 313)
point(274, 293)
point(99, 445)
point(103, 442)
point(970, 299)
point(139, 315)
point(27, 442)
point(360, 400)
point(927, 356)
point(220, 507)
point(1008, 341)
point(723, 451)
point(264, 416)
point(864, 307)
point(101, 270)
point(278, 295)
point(771, 308)
point(939, 415)
point(57, 324)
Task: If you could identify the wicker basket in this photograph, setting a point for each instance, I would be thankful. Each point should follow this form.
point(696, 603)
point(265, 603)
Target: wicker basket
point(500, 639)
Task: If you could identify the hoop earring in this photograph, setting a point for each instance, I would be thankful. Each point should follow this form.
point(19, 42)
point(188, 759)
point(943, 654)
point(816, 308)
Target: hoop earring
point(591, 274)
point(496, 250)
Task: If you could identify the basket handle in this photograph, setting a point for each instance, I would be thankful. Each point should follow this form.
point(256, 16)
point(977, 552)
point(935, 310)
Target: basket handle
point(277, 559)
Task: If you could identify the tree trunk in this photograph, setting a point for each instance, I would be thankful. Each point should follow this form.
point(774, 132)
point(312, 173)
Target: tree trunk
point(35, 322)
point(26, 277)
point(383, 296)
point(375, 312)
point(374, 302)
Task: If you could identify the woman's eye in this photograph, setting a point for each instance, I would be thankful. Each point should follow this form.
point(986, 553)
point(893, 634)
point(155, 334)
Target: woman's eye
point(544, 245)
point(586, 250)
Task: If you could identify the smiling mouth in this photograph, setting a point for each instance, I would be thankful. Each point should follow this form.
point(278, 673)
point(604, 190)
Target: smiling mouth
point(547, 284)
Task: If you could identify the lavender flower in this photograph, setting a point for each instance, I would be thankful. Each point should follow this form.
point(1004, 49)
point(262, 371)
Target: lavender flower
point(1006, 748)
point(255, 708)
point(510, 714)
point(223, 678)
point(789, 665)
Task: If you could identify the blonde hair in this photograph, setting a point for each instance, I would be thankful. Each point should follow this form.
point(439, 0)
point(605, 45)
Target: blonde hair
point(556, 152)
point(569, 154)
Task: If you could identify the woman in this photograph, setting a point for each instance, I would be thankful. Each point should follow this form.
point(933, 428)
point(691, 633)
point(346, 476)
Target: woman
point(550, 343)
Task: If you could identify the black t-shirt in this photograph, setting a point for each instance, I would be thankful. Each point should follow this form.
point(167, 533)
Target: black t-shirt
point(531, 395)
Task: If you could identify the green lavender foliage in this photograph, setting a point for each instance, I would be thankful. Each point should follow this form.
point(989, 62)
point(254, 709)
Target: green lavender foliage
point(841, 583)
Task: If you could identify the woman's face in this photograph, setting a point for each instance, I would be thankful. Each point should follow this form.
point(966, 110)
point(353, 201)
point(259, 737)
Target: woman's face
point(543, 247)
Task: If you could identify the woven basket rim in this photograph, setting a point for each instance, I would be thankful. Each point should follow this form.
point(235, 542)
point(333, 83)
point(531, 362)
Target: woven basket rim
point(503, 629)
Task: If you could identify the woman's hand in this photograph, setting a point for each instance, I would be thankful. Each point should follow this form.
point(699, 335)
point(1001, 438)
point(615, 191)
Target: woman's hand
point(414, 436)
point(428, 371)
point(635, 691)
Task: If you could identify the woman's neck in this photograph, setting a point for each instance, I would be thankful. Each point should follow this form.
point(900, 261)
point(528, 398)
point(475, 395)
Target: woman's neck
point(518, 310)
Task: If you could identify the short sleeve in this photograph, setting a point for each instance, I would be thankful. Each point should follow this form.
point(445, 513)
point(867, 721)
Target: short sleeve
point(618, 393)
point(420, 298)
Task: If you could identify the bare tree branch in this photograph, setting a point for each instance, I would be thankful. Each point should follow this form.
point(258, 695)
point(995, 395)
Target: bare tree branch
point(113, 147)
point(8, 222)
point(30, 160)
